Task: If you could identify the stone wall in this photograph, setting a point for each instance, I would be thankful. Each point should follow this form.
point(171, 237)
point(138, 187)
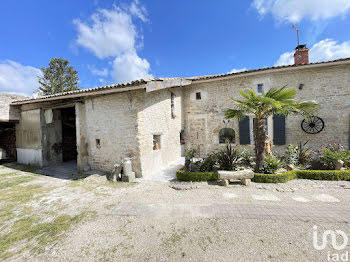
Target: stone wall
point(81, 134)
point(156, 118)
point(8, 112)
point(328, 85)
point(109, 130)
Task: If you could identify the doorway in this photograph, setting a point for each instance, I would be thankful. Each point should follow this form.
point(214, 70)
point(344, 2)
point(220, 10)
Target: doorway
point(7, 141)
point(69, 140)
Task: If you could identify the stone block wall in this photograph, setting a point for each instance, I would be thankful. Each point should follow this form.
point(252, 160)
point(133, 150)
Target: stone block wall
point(328, 85)
point(8, 112)
point(108, 133)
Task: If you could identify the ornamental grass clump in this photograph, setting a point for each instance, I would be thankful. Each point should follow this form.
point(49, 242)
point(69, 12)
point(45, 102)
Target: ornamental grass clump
point(228, 158)
point(272, 164)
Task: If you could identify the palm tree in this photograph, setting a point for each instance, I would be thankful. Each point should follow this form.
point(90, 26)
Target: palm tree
point(275, 101)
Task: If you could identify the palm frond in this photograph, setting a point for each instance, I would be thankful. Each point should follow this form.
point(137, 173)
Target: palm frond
point(235, 113)
point(274, 101)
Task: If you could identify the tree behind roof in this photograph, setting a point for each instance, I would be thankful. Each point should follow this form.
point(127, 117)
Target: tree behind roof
point(58, 77)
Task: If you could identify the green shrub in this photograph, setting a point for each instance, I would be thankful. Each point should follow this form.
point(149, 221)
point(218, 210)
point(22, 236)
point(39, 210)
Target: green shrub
point(298, 155)
point(291, 155)
point(274, 178)
point(336, 175)
point(190, 154)
point(208, 163)
point(246, 156)
point(182, 175)
point(272, 164)
point(329, 156)
point(304, 154)
point(333, 175)
point(228, 158)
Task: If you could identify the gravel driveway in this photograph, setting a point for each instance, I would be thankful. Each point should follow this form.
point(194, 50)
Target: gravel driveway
point(155, 221)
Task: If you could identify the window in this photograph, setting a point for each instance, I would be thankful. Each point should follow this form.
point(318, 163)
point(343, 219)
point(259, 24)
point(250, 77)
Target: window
point(198, 96)
point(182, 137)
point(98, 143)
point(156, 142)
point(172, 101)
point(260, 88)
point(227, 135)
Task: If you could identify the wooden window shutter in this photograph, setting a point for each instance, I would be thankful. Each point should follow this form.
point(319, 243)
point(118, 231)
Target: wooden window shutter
point(279, 130)
point(244, 132)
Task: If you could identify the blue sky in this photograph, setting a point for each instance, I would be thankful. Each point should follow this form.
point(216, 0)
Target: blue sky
point(118, 41)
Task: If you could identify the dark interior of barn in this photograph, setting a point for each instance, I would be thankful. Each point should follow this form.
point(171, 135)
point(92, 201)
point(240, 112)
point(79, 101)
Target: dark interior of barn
point(7, 141)
point(69, 142)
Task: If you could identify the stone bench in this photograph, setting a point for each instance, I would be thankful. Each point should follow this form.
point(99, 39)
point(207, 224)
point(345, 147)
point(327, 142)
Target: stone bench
point(244, 175)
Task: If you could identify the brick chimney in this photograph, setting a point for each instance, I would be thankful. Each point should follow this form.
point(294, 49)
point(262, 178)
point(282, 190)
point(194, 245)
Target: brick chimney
point(301, 55)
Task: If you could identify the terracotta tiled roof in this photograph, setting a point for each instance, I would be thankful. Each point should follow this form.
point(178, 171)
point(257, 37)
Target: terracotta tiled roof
point(145, 81)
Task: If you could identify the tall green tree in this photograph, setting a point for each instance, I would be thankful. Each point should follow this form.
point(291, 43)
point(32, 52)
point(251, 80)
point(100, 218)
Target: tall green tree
point(279, 101)
point(58, 77)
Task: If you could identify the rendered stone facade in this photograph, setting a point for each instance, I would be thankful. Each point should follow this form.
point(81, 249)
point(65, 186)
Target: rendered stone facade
point(156, 118)
point(329, 86)
point(143, 121)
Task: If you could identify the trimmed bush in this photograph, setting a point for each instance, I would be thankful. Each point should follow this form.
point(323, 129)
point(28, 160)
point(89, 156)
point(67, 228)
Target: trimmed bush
point(182, 175)
point(274, 178)
point(336, 175)
point(333, 175)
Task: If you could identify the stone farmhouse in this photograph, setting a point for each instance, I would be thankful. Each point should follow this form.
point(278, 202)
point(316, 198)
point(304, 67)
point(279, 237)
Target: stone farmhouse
point(153, 120)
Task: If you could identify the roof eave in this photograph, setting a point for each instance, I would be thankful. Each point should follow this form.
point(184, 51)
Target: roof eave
point(79, 95)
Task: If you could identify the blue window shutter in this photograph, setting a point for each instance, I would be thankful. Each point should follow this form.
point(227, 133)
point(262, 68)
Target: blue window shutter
point(279, 130)
point(244, 132)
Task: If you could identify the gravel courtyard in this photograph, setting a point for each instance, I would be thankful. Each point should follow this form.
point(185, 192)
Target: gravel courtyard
point(51, 219)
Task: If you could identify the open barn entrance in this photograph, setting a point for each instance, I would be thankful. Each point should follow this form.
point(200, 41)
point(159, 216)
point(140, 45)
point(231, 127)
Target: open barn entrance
point(7, 141)
point(69, 140)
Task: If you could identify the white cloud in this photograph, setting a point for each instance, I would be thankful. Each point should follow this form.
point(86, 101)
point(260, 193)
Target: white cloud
point(324, 50)
point(99, 72)
point(138, 10)
point(112, 33)
point(237, 70)
point(17, 78)
point(296, 10)
point(127, 66)
point(329, 49)
point(286, 58)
